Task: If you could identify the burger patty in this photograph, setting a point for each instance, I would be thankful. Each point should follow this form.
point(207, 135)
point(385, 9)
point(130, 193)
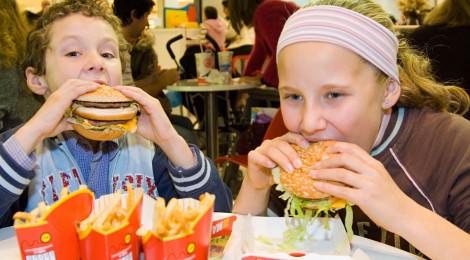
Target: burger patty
point(103, 104)
point(103, 123)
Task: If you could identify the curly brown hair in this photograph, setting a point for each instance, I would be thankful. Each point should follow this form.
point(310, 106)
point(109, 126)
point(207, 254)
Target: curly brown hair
point(418, 86)
point(39, 37)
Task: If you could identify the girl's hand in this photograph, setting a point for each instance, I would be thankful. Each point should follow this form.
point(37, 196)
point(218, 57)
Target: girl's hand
point(272, 153)
point(368, 184)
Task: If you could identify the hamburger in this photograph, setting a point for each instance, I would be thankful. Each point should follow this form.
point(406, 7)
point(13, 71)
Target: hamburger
point(103, 114)
point(298, 185)
point(304, 201)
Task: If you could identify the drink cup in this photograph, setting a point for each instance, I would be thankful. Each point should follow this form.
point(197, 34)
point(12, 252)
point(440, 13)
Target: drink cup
point(225, 64)
point(204, 64)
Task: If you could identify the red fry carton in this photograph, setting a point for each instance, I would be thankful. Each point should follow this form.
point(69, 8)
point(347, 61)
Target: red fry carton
point(54, 236)
point(116, 242)
point(191, 245)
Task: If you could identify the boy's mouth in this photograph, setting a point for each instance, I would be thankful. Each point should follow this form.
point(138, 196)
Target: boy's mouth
point(100, 82)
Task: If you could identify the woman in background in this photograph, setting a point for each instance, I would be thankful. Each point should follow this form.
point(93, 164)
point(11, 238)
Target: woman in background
point(241, 42)
point(445, 39)
point(268, 18)
point(17, 103)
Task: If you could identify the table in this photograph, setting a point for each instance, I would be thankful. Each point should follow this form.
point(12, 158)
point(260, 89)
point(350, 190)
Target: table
point(210, 89)
point(361, 248)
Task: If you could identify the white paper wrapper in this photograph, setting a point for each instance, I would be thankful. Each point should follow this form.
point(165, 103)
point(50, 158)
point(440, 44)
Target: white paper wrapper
point(248, 229)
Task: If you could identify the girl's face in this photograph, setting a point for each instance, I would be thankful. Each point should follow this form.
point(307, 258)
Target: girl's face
point(329, 92)
point(83, 48)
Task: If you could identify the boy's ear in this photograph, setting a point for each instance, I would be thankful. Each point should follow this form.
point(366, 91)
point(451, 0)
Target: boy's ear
point(36, 83)
point(392, 94)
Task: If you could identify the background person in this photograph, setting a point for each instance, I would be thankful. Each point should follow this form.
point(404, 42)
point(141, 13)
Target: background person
point(267, 18)
point(402, 144)
point(241, 42)
point(17, 103)
point(76, 46)
point(32, 18)
point(143, 70)
point(214, 26)
point(445, 38)
point(413, 11)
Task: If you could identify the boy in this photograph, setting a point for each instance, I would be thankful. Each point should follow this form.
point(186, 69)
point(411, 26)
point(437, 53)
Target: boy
point(76, 46)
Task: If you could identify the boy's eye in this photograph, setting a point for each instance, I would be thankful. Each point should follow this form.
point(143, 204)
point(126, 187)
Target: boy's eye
point(73, 54)
point(107, 55)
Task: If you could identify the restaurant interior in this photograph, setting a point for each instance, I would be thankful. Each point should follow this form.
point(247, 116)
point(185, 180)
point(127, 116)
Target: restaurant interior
point(230, 112)
point(171, 18)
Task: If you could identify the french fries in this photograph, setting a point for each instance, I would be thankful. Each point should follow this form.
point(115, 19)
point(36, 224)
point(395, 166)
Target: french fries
point(112, 214)
point(175, 219)
point(36, 214)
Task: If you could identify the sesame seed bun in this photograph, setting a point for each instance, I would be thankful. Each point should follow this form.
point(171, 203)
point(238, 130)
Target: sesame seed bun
point(104, 94)
point(298, 182)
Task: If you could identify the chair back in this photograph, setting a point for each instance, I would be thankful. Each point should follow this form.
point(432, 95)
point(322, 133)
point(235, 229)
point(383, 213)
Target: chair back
point(238, 64)
point(276, 128)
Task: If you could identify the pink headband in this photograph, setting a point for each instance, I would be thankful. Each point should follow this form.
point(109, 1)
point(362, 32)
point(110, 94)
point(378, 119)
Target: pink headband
point(345, 28)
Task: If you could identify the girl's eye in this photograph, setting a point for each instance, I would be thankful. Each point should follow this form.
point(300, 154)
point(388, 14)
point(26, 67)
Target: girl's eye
point(73, 54)
point(334, 95)
point(294, 97)
point(107, 55)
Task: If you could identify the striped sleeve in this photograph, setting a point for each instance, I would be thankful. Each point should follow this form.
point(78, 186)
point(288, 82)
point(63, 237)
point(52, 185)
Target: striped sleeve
point(13, 177)
point(202, 177)
point(194, 178)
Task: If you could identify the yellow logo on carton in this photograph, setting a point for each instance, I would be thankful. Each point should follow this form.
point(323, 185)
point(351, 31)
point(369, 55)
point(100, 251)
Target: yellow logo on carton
point(127, 239)
point(46, 237)
point(190, 248)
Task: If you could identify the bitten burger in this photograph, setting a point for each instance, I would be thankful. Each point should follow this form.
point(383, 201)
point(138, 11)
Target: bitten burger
point(304, 201)
point(103, 114)
point(299, 185)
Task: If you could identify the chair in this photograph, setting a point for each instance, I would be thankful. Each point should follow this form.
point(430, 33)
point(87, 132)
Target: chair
point(238, 64)
point(231, 177)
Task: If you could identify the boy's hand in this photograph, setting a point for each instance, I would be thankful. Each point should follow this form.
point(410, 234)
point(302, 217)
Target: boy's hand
point(154, 124)
point(49, 120)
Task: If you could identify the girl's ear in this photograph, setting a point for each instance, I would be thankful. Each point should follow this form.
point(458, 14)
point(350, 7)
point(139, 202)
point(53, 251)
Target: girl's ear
point(36, 83)
point(392, 94)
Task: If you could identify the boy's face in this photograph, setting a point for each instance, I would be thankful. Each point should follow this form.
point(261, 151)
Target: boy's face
point(83, 48)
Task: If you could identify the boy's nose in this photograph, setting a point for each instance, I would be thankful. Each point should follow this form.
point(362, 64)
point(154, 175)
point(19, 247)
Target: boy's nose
point(95, 62)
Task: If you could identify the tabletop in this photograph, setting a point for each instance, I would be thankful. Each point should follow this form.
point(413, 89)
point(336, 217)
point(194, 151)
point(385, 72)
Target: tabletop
point(191, 85)
point(361, 248)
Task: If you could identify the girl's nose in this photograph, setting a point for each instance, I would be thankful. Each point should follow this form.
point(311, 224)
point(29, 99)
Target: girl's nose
point(313, 121)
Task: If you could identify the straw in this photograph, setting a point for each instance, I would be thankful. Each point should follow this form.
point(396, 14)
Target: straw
point(200, 45)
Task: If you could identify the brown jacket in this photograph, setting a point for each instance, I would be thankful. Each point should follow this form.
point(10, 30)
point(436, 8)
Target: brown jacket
point(428, 155)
